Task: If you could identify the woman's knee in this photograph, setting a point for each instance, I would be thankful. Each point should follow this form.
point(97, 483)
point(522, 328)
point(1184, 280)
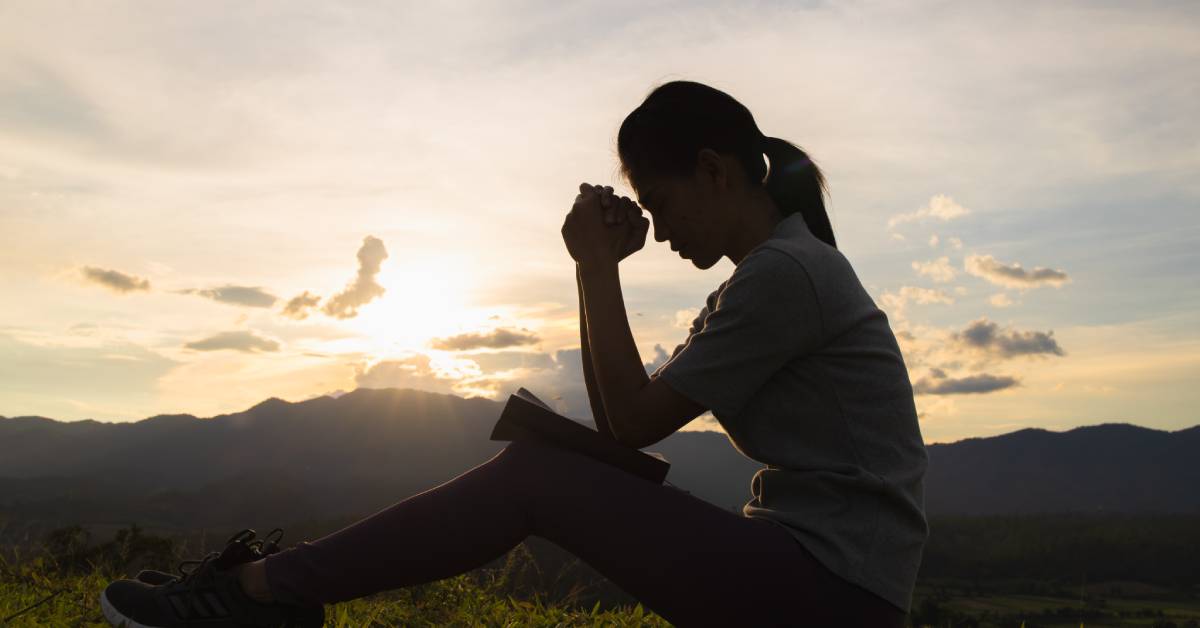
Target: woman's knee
point(538, 468)
point(523, 456)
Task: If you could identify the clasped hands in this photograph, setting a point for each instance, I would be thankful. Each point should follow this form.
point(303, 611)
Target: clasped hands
point(602, 229)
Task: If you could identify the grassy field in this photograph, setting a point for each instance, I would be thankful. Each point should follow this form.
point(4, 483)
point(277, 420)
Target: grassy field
point(58, 583)
point(463, 601)
point(458, 601)
point(1038, 611)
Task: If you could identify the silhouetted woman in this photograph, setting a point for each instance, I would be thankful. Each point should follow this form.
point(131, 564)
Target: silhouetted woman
point(790, 354)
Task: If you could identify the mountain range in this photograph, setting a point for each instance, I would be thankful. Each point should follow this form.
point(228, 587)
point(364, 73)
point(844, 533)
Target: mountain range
point(331, 457)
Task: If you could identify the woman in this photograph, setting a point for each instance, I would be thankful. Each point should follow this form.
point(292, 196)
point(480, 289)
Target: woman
point(789, 353)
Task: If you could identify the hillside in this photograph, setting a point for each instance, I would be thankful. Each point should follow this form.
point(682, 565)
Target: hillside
point(294, 461)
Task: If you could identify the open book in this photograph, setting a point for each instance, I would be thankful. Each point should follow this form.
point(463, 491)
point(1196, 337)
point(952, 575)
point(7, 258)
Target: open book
point(526, 417)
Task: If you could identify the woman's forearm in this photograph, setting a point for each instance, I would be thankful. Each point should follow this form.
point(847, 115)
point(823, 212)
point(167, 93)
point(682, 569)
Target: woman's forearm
point(589, 377)
point(617, 370)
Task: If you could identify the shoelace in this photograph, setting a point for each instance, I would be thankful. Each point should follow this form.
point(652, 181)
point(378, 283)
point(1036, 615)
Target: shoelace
point(189, 581)
point(257, 547)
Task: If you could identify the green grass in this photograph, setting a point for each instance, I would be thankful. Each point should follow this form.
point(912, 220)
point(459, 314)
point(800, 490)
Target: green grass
point(58, 583)
point(1037, 611)
point(458, 601)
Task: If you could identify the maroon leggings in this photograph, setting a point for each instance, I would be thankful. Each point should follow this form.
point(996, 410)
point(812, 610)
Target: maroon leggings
point(691, 562)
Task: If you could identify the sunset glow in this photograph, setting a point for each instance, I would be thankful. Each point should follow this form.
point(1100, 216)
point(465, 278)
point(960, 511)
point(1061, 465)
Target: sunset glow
point(296, 201)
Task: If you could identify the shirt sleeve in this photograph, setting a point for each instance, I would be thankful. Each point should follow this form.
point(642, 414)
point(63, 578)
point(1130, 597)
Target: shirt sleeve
point(766, 315)
point(693, 329)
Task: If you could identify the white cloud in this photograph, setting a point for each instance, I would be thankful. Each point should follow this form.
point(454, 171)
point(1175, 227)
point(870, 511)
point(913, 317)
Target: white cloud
point(940, 207)
point(933, 240)
point(896, 303)
point(364, 288)
point(1000, 299)
point(499, 338)
point(939, 269)
point(247, 296)
point(246, 341)
point(1013, 275)
point(297, 308)
point(684, 318)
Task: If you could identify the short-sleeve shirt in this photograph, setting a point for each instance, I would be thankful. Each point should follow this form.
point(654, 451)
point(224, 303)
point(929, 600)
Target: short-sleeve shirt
point(803, 372)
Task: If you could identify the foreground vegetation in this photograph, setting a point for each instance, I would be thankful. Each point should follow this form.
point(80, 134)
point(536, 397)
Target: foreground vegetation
point(969, 581)
point(62, 584)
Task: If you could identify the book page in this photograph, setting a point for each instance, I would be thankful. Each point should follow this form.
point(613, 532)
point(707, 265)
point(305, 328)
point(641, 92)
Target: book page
point(525, 394)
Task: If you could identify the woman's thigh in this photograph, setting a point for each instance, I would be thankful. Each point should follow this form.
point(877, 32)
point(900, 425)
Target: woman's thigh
point(690, 561)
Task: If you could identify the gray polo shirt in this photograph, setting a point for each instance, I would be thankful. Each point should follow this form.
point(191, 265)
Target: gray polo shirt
point(800, 367)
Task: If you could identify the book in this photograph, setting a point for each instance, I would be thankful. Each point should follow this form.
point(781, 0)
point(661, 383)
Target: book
point(527, 417)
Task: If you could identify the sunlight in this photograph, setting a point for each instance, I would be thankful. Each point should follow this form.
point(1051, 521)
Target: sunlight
point(422, 301)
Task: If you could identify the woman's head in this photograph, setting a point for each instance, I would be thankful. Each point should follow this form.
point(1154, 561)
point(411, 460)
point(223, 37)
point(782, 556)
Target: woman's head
point(694, 155)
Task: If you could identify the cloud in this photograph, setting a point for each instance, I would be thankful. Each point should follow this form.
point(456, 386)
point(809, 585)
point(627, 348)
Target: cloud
point(102, 378)
point(1013, 275)
point(939, 384)
point(933, 240)
point(419, 371)
point(896, 303)
point(987, 336)
point(685, 318)
point(1000, 299)
point(955, 242)
point(939, 269)
point(297, 308)
point(660, 357)
point(114, 280)
point(941, 207)
point(247, 296)
point(556, 378)
point(495, 361)
point(499, 338)
point(234, 340)
point(364, 288)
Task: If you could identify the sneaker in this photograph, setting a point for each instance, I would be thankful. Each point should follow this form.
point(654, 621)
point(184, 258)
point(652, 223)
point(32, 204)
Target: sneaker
point(261, 548)
point(208, 596)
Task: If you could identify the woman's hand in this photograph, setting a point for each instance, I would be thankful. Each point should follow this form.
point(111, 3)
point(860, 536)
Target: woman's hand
point(601, 229)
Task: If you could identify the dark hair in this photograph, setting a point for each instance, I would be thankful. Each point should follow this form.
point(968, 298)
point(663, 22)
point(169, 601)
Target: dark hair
point(664, 134)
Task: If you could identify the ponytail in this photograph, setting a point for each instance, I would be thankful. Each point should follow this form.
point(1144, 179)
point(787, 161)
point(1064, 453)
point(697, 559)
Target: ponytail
point(797, 185)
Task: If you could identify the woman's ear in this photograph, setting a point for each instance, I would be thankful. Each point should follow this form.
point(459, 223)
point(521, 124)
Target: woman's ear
point(711, 170)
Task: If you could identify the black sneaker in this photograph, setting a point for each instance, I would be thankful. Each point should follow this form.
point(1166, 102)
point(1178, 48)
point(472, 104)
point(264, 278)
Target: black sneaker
point(208, 596)
point(261, 548)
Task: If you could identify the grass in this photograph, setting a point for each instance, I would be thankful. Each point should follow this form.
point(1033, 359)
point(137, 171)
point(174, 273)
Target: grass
point(73, 600)
point(1039, 611)
point(60, 585)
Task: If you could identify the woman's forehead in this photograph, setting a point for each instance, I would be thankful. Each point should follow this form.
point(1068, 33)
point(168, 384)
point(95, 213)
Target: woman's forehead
point(648, 190)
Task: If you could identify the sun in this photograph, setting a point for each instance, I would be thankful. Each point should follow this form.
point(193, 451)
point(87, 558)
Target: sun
point(420, 302)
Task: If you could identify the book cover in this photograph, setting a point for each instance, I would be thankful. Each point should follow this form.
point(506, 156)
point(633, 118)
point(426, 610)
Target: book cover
point(527, 417)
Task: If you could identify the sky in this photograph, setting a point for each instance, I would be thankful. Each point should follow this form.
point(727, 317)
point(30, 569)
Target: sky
point(203, 205)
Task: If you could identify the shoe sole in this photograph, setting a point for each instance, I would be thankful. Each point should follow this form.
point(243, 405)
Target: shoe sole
point(114, 616)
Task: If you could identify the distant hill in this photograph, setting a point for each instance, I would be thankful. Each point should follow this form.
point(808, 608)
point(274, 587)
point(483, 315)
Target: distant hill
point(286, 461)
point(1111, 468)
point(327, 457)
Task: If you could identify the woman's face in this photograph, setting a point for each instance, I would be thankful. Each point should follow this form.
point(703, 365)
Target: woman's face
point(685, 213)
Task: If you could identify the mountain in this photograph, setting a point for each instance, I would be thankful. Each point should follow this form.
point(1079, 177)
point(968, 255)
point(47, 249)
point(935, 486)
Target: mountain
point(327, 457)
point(1110, 468)
point(285, 461)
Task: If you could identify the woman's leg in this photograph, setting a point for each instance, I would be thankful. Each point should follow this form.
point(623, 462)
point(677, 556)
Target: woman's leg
point(688, 560)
